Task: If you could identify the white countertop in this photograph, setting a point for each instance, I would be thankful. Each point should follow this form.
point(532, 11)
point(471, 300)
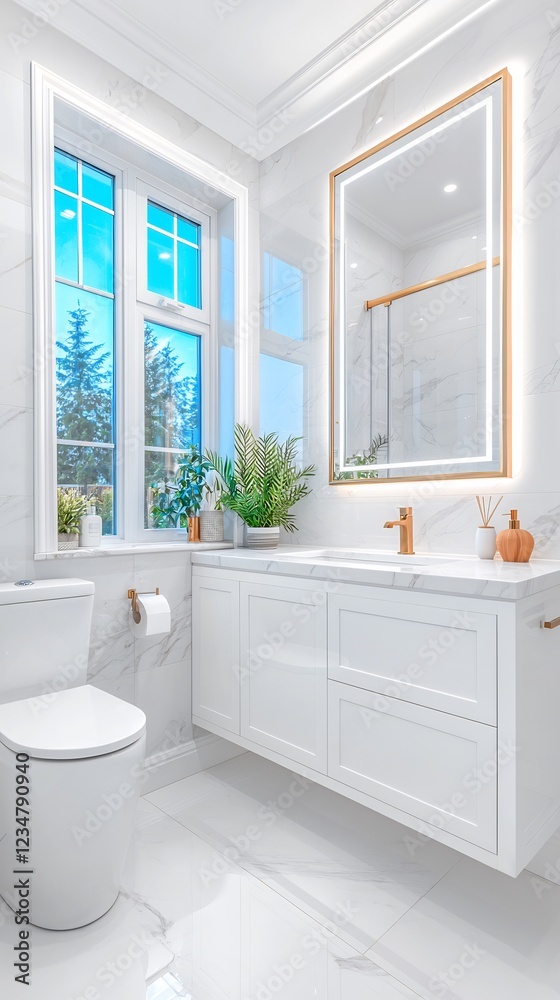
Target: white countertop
point(459, 574)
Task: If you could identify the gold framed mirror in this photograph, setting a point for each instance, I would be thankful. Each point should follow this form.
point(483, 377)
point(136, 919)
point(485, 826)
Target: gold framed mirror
point(420, 298)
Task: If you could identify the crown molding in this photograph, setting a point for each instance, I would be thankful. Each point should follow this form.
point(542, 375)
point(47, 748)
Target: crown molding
point(389, 37)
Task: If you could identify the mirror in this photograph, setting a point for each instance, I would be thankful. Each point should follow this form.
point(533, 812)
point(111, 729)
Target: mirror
point(420, 289)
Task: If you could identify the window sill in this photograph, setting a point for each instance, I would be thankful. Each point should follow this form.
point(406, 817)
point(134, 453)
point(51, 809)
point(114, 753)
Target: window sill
point(133, 548)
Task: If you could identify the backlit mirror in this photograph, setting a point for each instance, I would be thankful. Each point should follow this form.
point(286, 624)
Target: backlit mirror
point(420, 276)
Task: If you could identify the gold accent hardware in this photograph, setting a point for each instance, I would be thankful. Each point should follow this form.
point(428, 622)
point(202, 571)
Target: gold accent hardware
point(405, 524)
point(387, 300)
point(553, 624)
point(133, 596)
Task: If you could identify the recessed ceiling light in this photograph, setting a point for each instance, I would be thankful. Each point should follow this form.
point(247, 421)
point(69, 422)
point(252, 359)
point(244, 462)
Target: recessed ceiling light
point(449, 188)
point(353, 265)
point(164, 256)
point(67, 213)
point(473, 237)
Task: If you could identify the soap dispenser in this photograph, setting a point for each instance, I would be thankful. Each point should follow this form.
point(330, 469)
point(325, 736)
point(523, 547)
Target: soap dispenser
point(91, 527)
point(515, 544)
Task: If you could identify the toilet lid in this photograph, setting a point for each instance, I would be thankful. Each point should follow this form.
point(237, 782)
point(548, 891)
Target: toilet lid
point(80, 722)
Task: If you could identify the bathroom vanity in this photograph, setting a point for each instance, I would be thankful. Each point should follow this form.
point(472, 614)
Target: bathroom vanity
point(426, 688)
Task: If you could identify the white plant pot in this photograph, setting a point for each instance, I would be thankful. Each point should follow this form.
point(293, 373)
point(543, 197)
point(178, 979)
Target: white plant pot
point(211, 525)
point(262, 538)
point(485, 542)
point(66, 542)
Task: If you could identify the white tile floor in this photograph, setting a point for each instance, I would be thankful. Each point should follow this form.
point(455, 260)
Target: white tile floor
point(247, 883)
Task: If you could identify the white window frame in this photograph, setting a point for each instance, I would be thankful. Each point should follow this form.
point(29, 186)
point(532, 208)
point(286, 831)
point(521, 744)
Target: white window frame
point(46, 88)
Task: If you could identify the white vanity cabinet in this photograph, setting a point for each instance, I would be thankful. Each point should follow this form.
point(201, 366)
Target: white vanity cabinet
point(437, 710)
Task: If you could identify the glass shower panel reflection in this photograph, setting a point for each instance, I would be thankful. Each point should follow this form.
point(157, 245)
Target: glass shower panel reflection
point(419, 379)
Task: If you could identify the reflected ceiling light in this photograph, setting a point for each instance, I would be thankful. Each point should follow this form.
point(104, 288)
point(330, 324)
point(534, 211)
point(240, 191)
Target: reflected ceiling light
point(164, 256)
point(67, 213)
point(449, 188)
point(378, 120)
point(353, 265)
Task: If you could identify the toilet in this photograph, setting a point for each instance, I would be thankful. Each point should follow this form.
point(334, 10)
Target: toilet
point(71, 756)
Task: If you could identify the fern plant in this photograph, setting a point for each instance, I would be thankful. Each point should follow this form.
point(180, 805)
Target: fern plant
point(263, 482)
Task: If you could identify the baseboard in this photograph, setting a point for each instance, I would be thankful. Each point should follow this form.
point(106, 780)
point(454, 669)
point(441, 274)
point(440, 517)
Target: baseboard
point(197, 755)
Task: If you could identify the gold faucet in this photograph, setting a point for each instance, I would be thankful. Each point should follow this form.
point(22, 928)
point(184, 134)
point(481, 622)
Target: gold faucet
point(406, 527)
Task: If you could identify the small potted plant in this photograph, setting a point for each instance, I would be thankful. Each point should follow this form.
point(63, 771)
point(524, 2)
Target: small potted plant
point(262, 484)
point(176, 504)
point(71, 506)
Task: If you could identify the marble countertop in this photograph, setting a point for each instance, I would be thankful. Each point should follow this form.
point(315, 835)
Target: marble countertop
point(466, 575)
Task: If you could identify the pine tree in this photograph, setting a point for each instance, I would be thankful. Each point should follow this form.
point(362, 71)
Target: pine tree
point(84, 404)
point(171, 402)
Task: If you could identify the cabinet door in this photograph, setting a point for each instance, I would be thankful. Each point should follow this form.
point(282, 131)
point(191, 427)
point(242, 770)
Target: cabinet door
point(215, 687)
point(436, 767)
point(284, 671)
point(441, 658)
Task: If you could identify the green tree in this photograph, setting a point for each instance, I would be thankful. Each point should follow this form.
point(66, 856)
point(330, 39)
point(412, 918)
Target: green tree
point(171, 409)
point(84, 404)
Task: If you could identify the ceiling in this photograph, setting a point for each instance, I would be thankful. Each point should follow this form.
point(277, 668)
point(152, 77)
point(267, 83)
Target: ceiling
point(258, 72)
point(252, 47)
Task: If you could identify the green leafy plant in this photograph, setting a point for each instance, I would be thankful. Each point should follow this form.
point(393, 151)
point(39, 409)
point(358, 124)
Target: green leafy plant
point(71, 505)
point(174, 502)
point(264, 482)
point(366, 457)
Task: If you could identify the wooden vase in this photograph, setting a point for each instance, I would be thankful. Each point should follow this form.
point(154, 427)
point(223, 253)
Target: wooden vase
point(515, 545)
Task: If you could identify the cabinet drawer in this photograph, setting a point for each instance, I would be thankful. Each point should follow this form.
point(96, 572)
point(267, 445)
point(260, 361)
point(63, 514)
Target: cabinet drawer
point(436, 767)
point(437, 657)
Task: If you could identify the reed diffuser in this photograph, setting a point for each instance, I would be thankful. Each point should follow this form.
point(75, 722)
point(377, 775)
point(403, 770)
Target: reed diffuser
point(485, 541)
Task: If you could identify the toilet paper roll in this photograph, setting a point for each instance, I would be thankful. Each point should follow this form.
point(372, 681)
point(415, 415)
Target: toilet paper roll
point(155, 616)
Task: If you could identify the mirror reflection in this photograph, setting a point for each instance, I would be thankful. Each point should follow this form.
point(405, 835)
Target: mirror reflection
point(419, 298)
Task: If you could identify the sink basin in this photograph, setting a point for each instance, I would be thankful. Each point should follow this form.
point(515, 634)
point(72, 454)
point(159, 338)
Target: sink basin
point(369, 556)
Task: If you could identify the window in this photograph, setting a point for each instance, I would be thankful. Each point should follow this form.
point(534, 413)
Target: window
point(173, 256)
point(283, 363)
point(85, 329)
point(151, 342)
point(171, 238)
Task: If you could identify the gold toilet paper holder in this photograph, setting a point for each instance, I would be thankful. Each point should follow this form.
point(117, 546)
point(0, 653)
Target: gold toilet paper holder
point(133, 596)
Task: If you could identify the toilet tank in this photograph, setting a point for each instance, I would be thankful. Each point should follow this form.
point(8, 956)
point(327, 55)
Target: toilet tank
point(44, 636)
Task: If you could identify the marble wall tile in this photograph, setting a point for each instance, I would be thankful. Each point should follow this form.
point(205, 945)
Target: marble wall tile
point(165, 696)
point(15, 253)
point(16, 374)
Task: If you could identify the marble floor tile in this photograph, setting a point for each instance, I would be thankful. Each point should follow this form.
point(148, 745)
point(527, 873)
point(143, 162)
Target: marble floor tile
point(479, 935)
point(182, 929)
point(203, 918)
point(339, 862)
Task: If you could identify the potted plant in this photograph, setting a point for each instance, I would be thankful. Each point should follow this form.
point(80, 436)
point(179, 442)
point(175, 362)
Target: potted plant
point(176, 504)
point(262, 484)
point(71, 506)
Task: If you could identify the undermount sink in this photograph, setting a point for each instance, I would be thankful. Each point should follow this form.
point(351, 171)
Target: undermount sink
point(369, 556)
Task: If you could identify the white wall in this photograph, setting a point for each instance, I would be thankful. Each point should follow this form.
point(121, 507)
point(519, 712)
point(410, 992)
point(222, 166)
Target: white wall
point(294, 196)
point(155, 674)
